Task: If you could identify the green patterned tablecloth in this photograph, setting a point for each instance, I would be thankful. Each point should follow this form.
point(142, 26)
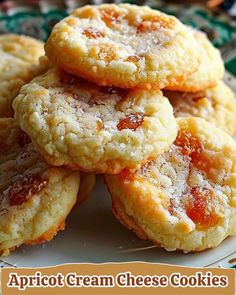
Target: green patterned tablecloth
point(36, 18)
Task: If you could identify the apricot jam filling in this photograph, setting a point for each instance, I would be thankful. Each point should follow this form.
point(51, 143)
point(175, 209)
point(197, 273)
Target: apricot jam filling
point(200, 208)
point(191, 147)
point(132, 121)
point(93, 33)
point(188, 144)
point(23, 189)
point(154, 23)
point(109, 16)
point(126, 175)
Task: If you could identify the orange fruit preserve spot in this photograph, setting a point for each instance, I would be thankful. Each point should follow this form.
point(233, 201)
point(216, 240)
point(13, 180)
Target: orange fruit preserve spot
point(109, 16)
point(23, 189)
point(92, 33)
point(154, 23)
point(200, 208)
point(126, 175)
point(189, 145)
point(132, 121)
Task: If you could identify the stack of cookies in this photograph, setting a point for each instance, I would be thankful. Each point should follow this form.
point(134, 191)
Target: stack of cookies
point(35, 197)
point(134, 94)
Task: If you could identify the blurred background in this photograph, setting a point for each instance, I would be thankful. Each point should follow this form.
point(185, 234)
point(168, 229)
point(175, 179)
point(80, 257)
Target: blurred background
point(217, 18)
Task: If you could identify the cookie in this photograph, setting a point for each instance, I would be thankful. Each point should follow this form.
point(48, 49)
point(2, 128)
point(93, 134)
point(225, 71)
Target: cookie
point(19, 63)
point(80, 125)
point(210, 70)
point(217, 105)
point(185, 199)
point(124, 46)
point(35, 199)
point(87, 183)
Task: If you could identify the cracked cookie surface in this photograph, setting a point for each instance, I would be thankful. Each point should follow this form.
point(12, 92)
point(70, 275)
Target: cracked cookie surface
point(80, 125)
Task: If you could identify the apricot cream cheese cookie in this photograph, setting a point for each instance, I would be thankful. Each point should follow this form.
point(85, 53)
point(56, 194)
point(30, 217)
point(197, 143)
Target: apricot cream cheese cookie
point(184, 199)
point(35, 199)
point(19, 63)
point(210, 70)
point(80, 125)
point(217, 105)
point(125, 46)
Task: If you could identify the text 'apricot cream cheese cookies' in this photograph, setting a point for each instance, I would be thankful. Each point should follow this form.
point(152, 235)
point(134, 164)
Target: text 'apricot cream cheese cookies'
point(124, 46)
point(35, 199)
point(210, 70)
point(19, 63)
point(217, 105)
point(186, 198)
point(80, 125)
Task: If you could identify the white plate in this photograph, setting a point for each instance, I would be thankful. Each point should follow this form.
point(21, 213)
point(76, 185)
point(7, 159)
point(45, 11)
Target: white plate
point(93, 235)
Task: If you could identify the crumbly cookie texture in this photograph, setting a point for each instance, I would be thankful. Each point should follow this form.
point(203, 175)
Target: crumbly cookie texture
point(124, 46)
point(210, 70)
point(217, 105)
point(186, 198)
point(80, 125)
point(87, 183)
point(35, 199)
point(19, 63)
